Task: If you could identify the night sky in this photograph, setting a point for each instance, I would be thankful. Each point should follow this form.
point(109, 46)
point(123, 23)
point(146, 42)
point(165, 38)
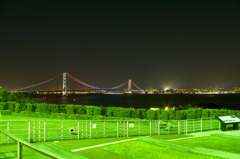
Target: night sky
point(157, 44)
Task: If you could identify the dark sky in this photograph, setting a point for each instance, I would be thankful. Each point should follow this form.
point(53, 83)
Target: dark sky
point(177, 44)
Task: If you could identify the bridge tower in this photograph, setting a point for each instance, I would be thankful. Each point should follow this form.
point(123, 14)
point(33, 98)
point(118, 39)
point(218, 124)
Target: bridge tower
point(129, 85)
point(64, 89)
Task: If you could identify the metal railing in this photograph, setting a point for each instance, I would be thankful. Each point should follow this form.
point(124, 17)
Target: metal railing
point(46, 130)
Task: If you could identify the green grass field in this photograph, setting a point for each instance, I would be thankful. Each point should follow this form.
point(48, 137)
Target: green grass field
point(206, 145)
point(194, 144)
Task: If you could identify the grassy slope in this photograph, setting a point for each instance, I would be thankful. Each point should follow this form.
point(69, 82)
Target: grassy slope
point(147, 150)
point(145, 147)
point(216, 142)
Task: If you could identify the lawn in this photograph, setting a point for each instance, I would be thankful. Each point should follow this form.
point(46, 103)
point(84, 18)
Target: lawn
point(222, 141)
point(201, 146)
point(208, 144)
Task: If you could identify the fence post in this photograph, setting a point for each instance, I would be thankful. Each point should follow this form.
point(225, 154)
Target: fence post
point(168, 127)
point(44, 130)
point(29, 130)
point(39, 131)
point(139, 124)
point(127, 128)
point(104, 128)
point(86, 130)
point(193, 126)
point(201, 125)
point(150, 127)
point(186, 127)
point(62, 129)
point(158, 128)
point(178, 128)
point(19, 150)
point(155, 129)
point(117, 128)
point(211, 125)
point(82, 129)
point(34, 131)
point(8, 131)
point(90, 129)
point(78, 130)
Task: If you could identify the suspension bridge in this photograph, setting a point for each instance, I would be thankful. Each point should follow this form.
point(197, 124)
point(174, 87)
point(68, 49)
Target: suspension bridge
point(65, 91)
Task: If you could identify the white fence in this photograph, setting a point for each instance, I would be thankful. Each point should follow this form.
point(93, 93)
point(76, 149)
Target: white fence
point(45, 130)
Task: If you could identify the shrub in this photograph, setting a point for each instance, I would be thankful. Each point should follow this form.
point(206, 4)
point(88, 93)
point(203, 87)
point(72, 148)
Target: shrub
point(191, 113)
point(3, 106)
point(199, 113)
point(31, 107)
point(59, 116)
point(27, 113)
point(143, 113)
point(23, 106)
point(117, 112)
point(171, 114)
point(83, 117)
point(10, 106)
point(230, 112)
point(55, 108)
point(123, 112)
point(6, 112)
point(223, 112)
point(151, 115)
point(63, 108)
point(136, 113)
point(109, 111)
point(99, 117)
point(103, 110)
point(213, 113)
point(93, 110)
point(205, 113)
point(97, 111)
point(70, 109)
point(73, 116)
point(17, 108)
point(181, 115)
point(43, 108)
point(80, 109)
point(238, 114)
point(162, 114)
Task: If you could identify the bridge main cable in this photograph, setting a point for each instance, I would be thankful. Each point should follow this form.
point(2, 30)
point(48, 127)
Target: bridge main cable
point(51, 79)
point(88, 85)
point(138, 87)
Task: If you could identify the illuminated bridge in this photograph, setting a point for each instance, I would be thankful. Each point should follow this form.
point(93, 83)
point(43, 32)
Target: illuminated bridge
point(90, 88)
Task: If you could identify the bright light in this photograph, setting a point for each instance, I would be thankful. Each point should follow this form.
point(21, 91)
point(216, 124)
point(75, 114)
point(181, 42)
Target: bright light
point(154, 108)
point(165, 89)
point(166, 108)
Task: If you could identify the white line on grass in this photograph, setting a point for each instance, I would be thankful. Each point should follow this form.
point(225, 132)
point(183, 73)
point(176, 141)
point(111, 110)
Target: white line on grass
point(110, 143)
point(187, 138)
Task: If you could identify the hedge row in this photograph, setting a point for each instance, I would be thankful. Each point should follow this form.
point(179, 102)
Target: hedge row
point(118, 112)
point(63, 116)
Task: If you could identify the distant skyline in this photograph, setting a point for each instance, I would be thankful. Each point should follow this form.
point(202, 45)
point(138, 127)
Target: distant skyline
point(157, 44)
